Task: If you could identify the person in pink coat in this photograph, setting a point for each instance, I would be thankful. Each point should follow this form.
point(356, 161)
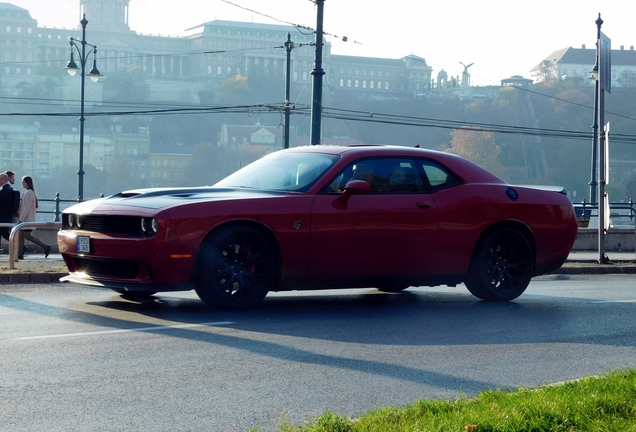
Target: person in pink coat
point(27, 214)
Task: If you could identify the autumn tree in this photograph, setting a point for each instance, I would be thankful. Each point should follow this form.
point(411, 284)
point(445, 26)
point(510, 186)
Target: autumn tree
point(478, 146)
point(234, 89)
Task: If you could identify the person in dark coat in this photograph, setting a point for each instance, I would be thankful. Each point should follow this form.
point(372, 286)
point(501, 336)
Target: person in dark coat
point(7, 210)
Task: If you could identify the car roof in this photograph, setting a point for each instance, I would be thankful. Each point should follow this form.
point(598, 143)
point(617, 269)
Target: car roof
point(461, 166)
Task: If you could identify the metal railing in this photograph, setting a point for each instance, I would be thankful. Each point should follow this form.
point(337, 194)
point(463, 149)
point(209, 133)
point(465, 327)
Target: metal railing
point(17, 228)
point(57, 203)
point(618, 211)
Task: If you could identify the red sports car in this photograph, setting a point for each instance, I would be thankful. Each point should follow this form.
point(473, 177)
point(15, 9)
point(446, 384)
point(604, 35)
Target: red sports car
point(323, 217)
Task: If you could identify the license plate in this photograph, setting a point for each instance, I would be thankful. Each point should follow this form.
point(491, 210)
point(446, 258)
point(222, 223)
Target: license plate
point(83, 244)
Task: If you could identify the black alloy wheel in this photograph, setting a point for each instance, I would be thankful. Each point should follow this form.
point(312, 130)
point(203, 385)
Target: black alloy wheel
point(501, 267)
point(236, 268)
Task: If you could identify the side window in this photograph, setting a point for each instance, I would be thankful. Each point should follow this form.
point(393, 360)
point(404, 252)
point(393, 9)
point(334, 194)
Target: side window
point(436, 176)
point(383, 175)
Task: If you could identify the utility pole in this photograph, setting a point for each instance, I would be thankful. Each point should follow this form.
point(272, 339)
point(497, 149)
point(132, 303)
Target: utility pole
point(593, 183)
point(318, 72)
point(289, 46)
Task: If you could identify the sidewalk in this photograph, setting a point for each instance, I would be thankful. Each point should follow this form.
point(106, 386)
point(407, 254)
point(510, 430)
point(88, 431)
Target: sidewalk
point(586, 262)
point(33, 268)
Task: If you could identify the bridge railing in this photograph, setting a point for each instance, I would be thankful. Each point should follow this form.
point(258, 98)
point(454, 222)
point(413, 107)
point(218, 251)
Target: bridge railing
point(55, 206)
point(622, 214)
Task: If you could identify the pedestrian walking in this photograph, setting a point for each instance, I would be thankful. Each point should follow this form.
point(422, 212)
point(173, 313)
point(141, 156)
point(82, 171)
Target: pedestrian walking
point(27, 214)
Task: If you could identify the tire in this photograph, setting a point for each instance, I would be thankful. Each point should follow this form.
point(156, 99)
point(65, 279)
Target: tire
point(502, 266)
point(235, 269)
point(134, 295)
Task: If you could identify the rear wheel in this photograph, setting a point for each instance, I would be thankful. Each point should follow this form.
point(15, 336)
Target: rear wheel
point(235, 268)
point(502, 266)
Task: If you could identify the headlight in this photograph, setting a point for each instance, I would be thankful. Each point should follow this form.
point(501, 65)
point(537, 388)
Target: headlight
point(148, 225)
point(79, 221)
point(71, 220)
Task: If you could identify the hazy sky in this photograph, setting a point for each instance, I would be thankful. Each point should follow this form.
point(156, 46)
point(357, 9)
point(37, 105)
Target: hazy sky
point(502, 38)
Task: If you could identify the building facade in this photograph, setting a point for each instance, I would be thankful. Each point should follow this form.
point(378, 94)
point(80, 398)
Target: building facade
point(577, 63)
point(205, 56)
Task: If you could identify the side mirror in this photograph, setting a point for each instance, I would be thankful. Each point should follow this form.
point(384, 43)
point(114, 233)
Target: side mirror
point(354, 187)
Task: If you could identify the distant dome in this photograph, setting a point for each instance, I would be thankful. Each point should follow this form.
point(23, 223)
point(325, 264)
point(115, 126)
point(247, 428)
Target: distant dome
point(442, 74)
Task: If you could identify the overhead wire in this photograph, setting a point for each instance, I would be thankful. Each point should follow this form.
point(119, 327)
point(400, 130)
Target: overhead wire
point(334, 113)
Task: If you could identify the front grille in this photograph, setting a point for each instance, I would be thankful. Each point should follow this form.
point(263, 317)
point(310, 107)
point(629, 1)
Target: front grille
point(128, 225)
point(110, 268)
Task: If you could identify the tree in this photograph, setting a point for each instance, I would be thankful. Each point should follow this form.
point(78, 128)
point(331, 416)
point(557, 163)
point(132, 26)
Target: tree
point(477, 146)
point(127, 84)
point(209, 165)
point(120, 176)
point(233, 90)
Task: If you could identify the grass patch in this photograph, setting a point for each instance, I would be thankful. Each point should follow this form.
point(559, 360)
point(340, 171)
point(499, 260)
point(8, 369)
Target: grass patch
point(604, 403)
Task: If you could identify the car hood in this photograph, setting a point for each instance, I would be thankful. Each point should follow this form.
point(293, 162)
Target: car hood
point(161, 199)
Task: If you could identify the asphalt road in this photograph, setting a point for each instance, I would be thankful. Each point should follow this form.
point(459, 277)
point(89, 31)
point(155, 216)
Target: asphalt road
point(75, 358)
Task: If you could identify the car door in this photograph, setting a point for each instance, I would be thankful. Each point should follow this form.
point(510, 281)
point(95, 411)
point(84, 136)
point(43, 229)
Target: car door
point(389, 231)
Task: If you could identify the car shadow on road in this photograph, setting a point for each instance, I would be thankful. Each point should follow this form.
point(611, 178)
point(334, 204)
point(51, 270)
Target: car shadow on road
point(415, 319)
point(412, 317)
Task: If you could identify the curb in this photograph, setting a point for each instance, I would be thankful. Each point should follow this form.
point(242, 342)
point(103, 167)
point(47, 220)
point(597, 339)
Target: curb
point(595, 269)
point(22, 278)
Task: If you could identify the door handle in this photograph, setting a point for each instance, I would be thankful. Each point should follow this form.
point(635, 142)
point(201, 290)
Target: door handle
point(424, 206)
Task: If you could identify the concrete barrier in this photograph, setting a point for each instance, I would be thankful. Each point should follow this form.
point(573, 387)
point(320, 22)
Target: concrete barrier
point(48, 235)
point(616, 239)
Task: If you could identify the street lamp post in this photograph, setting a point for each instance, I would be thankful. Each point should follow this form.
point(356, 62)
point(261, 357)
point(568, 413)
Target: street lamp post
point(289, 46)
point(94, 74)
point(317, 73)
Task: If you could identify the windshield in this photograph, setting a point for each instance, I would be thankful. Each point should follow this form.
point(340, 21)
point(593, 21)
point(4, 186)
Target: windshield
point(287, 171)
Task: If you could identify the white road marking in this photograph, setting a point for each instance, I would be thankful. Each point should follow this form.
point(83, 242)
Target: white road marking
point(140, 329)
point(615, 301)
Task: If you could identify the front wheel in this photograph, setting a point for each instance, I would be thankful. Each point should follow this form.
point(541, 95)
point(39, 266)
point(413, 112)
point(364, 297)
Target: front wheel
point(502, 266)
point(235, 268)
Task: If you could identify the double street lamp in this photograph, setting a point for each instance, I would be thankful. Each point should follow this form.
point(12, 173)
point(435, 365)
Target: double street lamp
point(94, 75)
